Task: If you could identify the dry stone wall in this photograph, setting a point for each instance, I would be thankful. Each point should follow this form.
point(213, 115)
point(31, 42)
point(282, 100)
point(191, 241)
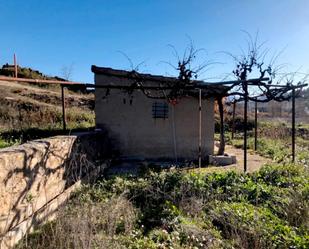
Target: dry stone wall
point(37, 177)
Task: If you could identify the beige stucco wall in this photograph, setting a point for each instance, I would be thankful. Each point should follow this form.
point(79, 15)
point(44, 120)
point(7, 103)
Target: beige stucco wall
point(137, 134)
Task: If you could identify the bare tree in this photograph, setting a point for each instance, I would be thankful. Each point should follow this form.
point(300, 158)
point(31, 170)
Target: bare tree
point(186, 78)
point(256, 82)
point(67, 71)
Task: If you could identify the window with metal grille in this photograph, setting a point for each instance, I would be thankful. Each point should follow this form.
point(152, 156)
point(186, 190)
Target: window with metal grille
point(160, 110)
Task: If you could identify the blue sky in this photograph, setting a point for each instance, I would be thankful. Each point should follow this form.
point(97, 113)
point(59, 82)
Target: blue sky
point(48, 35)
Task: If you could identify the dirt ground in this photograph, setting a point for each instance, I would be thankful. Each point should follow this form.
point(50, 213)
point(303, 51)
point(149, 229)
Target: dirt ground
point(255, 161)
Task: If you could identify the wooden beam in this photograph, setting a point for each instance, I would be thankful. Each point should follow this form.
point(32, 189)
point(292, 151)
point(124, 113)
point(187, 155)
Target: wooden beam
point(204, 85)
point(24, 80)
point(92, 85)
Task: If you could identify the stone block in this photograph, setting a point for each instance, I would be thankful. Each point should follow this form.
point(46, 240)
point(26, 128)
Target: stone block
point(223, 160)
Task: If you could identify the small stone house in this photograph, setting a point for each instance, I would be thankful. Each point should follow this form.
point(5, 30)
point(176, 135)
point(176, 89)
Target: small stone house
point(144, 128)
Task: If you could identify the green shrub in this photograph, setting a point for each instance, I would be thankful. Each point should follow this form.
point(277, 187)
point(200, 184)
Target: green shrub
point(266, 209)
point(254, 227)
point(286, 175)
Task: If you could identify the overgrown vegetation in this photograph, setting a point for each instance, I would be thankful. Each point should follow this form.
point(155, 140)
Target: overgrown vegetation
point(39, 122)
point(25, 115)
point(7, 142)
point(274, 142)
point(36, 112)
point(265, 209)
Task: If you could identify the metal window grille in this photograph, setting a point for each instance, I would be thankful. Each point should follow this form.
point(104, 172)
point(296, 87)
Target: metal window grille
point(160, 110)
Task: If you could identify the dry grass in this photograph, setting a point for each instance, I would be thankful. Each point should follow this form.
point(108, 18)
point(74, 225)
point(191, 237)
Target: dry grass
point(85, 225)
point(24, 107)
point(266, 209)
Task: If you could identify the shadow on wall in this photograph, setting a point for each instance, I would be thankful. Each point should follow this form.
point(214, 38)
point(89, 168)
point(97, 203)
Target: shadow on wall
point(35, 173)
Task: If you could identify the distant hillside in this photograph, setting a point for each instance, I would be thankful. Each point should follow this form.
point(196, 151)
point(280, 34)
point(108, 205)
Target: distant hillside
point(25, 106)
point(24, 72)
point(29, 73)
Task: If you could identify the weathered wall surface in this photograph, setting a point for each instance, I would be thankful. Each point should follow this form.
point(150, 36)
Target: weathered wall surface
point(35, 174)
point(137, 134)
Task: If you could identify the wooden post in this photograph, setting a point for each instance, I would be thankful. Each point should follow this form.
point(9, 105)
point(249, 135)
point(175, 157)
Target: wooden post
point(63, 108)
point(293, 124)
point(15, 66)
point(200, 130)
point(255, 126)
point(245, 125)
point(233, 121)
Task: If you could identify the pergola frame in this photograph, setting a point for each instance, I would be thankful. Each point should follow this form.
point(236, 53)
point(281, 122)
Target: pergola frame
point(198, 87)
point(292, 88)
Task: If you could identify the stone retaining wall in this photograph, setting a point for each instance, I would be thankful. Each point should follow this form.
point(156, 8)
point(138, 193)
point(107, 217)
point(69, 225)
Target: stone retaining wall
point(37, 177)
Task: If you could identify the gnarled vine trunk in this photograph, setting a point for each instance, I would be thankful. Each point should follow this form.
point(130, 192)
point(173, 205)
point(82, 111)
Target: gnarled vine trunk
point(222, 140)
